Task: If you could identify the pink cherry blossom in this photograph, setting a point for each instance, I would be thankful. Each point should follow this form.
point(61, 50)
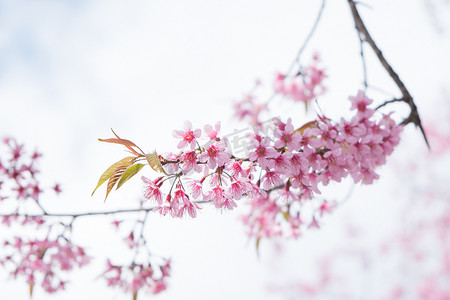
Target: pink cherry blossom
point(263, 152)
point(287, 137)
point(130, 240)
point(57, 188)
point(360, 103)
point(212, 133)
point(314, 223)
point(152, 189)
point(180, 196)
point(196, 188)
point(271, 179)
point(215, 155)
point(188, 136)
point(235, 167)
point(35, 191)
point(220, 198)
point(238, 188)
point(326, 207)
point(249, 109)
point(304, 86)
point(190, 162)
point(41, 260)
point(138, 276)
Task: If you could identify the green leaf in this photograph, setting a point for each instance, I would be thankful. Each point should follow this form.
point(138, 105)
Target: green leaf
point(130, 172)
point(154, 162)
point(127, 161)
point(115, 176)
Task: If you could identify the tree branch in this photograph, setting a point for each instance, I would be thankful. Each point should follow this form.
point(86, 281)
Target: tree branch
point(407, 98)
point(308, 37)
point(86, 214)
point(388, 102)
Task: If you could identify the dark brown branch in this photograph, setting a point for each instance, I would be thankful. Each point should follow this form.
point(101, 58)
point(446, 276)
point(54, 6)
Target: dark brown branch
point(388, 102)
point(407, 98)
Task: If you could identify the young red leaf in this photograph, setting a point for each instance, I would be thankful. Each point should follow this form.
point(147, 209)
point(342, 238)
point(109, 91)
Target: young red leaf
point(130, 172)
point(127, 143)
point(127, 161)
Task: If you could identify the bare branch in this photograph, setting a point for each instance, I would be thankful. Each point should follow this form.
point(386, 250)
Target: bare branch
point(363, 60)
point(86, 214)
point(305, 43)
point(407, 98)
point(388, 102)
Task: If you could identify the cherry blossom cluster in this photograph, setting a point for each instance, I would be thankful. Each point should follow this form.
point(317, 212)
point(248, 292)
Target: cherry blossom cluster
point(411, 257)
point(20, 189)
point(136, 277)
point(38, 261)
point(281, 172)
point(47, 261)
point(329, 152)
point(43, 261)
point(305, 85)
point(19, 184)
point(18, 173)
point(249, 109)
point(151, 275)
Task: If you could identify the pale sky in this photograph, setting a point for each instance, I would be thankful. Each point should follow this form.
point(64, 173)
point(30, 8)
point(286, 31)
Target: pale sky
point(71, 70)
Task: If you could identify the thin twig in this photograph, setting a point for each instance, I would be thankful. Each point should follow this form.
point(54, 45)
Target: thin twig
point(86, 214)
point(407, 98)
point(308, 37)
point(76, 215)
point(363, 60)
point(302, 48)
point(388, 102)
point(380, 90)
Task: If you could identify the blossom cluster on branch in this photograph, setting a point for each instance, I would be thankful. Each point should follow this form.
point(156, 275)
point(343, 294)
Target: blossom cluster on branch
point(38, 260)
point(43, 261)
point(146, 272)
point(282, 171)
point(410, 257)
point(304, 86)
point(138, 276)
point(46, 258)
point(284, 167)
